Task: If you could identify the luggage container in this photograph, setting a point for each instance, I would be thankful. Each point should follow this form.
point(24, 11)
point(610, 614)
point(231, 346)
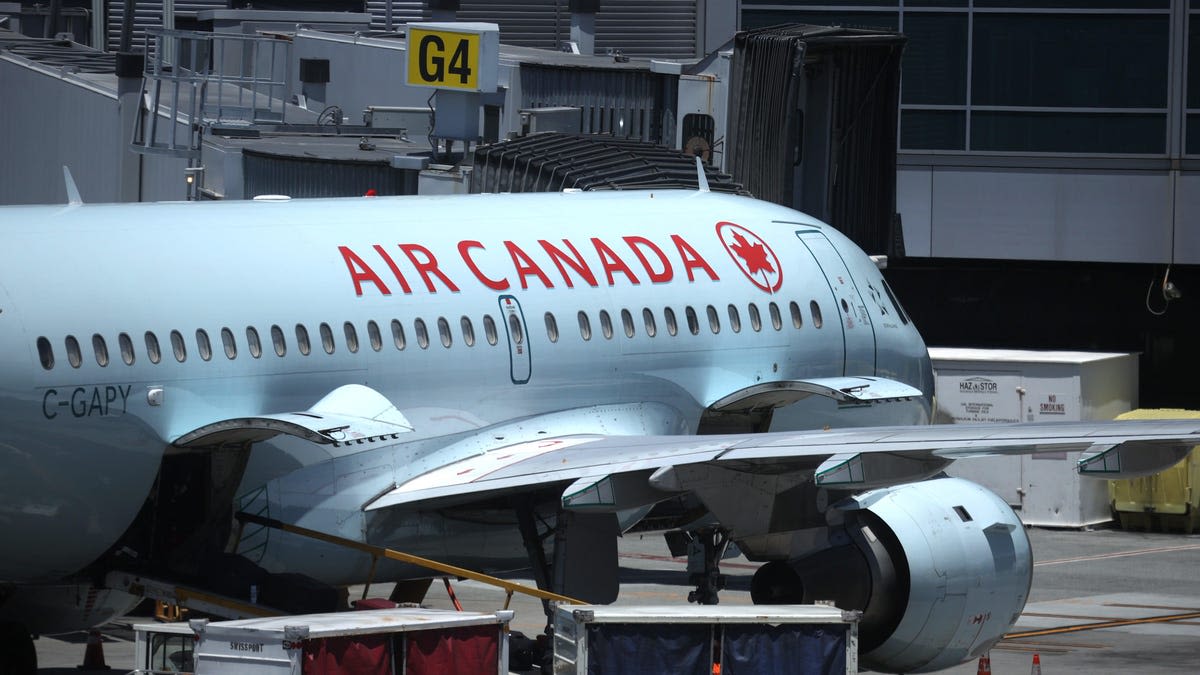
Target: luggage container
point(704, 639)
point(1167, 500)
point(412, 641)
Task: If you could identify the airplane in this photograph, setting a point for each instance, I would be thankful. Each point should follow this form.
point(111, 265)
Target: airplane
point(498, 382)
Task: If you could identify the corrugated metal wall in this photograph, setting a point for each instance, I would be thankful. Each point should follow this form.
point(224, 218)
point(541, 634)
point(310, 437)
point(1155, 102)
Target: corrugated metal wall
point(148, 14)
point(627, 103)
point(266, 173)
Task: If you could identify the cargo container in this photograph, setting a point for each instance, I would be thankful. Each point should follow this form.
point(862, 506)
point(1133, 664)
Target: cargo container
point(412, 641)
point(704, 639)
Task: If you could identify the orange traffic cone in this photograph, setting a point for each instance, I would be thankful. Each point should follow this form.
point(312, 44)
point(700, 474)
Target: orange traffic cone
point(1037, 665)
point(93, 658)
point(985, 665)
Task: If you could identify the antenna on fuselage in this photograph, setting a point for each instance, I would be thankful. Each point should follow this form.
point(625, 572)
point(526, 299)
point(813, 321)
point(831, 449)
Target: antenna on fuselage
point(73, 197)
point(701, 179)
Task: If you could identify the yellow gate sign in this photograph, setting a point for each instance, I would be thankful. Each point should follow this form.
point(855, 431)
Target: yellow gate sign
point(460, 56)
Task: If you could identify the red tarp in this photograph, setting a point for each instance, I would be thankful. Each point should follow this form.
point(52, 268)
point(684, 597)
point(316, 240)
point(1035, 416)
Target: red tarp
point(471, 650)
point(351, 655)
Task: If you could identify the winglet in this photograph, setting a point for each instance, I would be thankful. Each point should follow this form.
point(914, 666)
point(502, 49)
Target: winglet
point(73, 197)
point(701, 179)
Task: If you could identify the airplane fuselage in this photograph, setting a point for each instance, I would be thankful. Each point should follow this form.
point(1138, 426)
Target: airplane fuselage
point(127, 326)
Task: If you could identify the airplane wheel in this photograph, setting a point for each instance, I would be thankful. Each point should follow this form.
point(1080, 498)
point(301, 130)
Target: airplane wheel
point(17, 653)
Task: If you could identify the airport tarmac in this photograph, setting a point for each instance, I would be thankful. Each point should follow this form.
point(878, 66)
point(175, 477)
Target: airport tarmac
point(1103, 602)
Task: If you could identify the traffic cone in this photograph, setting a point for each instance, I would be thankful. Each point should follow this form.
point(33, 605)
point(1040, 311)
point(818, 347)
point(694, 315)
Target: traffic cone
point(93, 658)
point(1037, 665)
point(985, 665)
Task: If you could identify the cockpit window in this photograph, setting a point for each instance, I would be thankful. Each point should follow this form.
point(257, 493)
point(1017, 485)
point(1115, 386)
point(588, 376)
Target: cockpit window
point(895, 303)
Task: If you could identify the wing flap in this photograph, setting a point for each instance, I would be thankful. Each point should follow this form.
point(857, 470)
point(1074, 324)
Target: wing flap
point(1130, 460)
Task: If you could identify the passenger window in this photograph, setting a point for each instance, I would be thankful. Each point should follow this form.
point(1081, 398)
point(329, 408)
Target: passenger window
point(326, 337)
point(374, 335)
point(252, 342)
point(45, 353)
point(178, 347)
point(797, 319)
point(152, 350)
point(422, 333)
point(815, 310)
point(228, 343)
point(755, 319)
point(606, 324)
point(692, 321)
point(444, 332)
point(302, 339)
point(776, 318)
point(714, 321)
point(126, 345)
point(489, 330)
point(551, 327)
point(627, 322)
point(648, 319)
point(398, 334)
point(203, 346)
point(74, 354)
point(278, 341)
point(351, 337)
point(585, 326)
point(514, 329)
point(735, 319)
point(101, 349)
point(672, 326)
point(468, 330)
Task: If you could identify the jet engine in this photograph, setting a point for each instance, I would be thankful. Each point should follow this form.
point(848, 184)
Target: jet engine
point(940, 569)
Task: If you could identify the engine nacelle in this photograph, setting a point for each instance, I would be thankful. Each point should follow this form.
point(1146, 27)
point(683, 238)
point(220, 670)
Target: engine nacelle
point(940, 569)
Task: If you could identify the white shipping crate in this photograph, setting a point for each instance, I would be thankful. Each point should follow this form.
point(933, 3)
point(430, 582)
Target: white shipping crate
point(682, 639)
point(1006, 385)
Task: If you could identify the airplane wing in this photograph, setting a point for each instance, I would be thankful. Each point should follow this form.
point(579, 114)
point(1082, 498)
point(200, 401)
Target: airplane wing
point(620, 472)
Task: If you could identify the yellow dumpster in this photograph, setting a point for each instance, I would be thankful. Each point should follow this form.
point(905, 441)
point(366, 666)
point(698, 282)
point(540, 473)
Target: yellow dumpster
point(1164, 501)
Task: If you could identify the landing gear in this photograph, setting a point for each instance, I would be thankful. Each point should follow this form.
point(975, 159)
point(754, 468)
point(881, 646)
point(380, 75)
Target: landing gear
point(17, 654)
point(705, 551)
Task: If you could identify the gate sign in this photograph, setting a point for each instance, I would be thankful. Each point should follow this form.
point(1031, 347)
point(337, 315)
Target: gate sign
point(459, 56)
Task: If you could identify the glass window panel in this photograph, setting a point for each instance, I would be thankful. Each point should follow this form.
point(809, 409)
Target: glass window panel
point(692, 322)
point(1193, 134)
point(1069, 132)
point(203, 345)
point(672, 325)
point(932, 3)
point(714, 320)
point(585, 326)
point(253, 343)
point(933, 129)
point(228, 343)
point(351, 334)
point(152, 349)
point(101, 349)
point(278, 341)
point(752, 18)
point(1075, 4)
point(935, 59)
point(815, 310)
point(177, 346)
point(1070, 60)
point(46, 353)
point(648, 319)
point(74, 353)
point(797, 318)
point(606, 324)
point(1193, 63)
point(514, 330)
point(374, 335)
point(627, 322)
point(302, 342)
point(126, 343)
point(735, 319)
point(326, 338)
point(468, 331)
point(489, 329)
point(755, 319)
point(422, 333)
point(444, 332)
point(776, 317)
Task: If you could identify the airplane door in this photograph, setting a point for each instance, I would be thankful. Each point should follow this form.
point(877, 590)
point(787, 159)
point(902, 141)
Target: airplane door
point(858, 333)
point(520, 367)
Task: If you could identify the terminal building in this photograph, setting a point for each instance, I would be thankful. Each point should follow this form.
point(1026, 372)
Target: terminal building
point(1029, 168)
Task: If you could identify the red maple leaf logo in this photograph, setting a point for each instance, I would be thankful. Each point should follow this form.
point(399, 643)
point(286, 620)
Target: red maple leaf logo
point(754, 255)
